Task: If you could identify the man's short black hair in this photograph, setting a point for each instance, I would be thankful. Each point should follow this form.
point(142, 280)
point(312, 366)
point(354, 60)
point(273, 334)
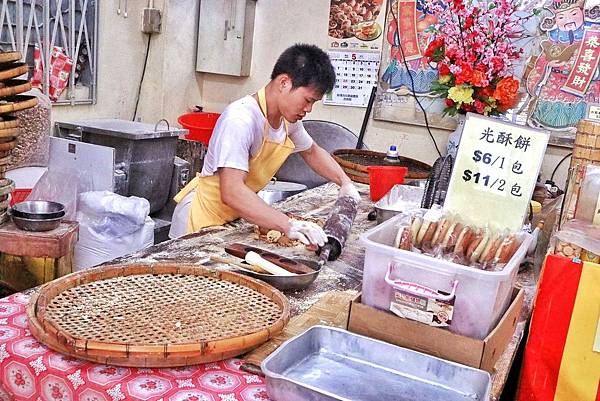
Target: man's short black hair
point(306, 65)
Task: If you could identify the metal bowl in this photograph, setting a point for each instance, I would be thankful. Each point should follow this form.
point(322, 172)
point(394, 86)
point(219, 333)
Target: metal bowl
point(38, 210)
point(36, 225)
point(289, 283)
point(399, 199)
point(277, 191)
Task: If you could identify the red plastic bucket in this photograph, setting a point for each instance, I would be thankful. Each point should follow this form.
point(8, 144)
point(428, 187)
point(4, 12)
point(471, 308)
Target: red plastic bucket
point(199, 124)
point(383, 178)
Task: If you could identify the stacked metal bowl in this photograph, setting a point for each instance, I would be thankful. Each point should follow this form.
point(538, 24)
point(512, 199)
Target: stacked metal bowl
point(37, 215)
point(11, 100)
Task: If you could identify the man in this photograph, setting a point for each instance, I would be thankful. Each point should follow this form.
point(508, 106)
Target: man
point(251, 140)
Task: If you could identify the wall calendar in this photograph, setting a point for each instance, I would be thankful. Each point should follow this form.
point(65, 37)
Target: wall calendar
point(356, 73)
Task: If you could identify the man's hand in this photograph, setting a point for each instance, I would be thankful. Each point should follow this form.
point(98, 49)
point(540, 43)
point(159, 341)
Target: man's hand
point(306, 232)
point(348, 189)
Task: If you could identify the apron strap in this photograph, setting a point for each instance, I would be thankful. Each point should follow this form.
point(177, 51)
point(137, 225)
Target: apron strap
point(262, 102)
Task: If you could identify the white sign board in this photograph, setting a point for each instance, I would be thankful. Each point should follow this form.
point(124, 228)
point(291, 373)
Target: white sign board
point(495, 172)
point(593, 111)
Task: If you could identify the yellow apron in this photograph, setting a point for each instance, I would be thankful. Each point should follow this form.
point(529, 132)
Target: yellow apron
point(207, 209)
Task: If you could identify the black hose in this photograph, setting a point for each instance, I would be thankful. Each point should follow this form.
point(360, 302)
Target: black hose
point(558, 165)
point(363, 128)
point(137, 101)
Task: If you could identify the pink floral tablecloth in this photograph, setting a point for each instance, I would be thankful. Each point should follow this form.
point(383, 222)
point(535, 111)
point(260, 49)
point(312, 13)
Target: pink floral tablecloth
point(31, 371)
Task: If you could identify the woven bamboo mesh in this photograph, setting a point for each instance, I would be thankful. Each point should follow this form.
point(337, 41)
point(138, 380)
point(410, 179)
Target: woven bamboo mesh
point(156, 315)
point(11, 100)
point(586, 151)
point(587, 143)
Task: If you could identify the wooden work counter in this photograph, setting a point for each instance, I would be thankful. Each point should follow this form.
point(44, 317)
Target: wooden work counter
point(340, 275)
point(31, 258)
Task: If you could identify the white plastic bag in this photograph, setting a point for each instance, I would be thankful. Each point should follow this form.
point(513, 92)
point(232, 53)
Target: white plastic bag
point(93, 249)
point(110, 215)
point(111, 226)
point(60, 186)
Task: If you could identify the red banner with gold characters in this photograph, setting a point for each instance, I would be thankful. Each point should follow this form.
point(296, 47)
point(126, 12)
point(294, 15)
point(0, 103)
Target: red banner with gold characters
point(586, 64)
point(407, 19)
point(562, 356)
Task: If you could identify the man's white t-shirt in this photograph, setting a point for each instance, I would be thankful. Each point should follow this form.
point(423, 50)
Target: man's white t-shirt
point(238, 136)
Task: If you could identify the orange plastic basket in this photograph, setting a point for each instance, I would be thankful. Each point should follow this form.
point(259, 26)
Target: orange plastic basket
point(199, 124)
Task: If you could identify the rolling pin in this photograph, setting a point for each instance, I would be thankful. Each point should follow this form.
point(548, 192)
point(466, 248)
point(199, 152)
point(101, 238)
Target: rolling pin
point(240, 250)
point(337, 228)
point(256, 269)
point(255, 259)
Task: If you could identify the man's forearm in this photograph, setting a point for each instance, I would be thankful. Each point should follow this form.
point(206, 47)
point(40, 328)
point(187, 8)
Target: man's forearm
point(253, 209)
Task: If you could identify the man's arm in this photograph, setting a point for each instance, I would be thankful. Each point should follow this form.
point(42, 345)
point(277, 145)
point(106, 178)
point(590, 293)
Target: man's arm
point(238, 196)
point(323, 164)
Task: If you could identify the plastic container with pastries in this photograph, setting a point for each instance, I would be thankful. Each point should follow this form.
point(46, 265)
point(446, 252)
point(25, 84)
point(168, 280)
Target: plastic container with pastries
point(481, 296)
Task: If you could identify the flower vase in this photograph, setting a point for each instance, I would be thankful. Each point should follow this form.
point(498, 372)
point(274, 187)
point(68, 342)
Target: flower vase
point(454, 137)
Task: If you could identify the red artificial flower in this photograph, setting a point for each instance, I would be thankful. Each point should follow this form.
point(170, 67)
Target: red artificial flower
point(506, 91)
point(497, 64)
point(477, 78)
point(467, 107)
point(449, 102)
point(465, 74)
point(469, 22)
point(443, 69)
point(503, 108)
point(433, 47)
point(451, 53)
point(487, 91)
point(479, 106)
point(458, 4)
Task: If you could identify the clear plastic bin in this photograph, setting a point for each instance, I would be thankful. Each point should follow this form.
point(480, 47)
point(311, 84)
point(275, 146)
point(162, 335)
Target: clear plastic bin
point(481, 296)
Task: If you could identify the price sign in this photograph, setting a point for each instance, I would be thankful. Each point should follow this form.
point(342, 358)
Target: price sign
point(495, 172)
point(593, 111)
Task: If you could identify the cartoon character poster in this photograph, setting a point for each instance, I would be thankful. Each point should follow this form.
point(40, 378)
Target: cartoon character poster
point(408, 32)
point(565, 78)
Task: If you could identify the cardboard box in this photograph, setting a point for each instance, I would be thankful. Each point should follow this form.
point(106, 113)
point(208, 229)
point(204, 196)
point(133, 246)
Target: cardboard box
point(435, 341)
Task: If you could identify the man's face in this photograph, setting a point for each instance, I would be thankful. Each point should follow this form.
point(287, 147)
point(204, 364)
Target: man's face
point(569, 20)
point(296, 103)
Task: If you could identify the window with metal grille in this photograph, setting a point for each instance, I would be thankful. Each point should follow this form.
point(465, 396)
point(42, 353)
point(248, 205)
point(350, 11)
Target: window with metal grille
point(58, 39)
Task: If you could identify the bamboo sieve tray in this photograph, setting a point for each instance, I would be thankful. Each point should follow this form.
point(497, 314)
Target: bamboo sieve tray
point(156, 315)
point(355, 162)
point(7, 122)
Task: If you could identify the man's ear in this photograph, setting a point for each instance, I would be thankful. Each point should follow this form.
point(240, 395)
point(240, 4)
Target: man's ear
point(284, 82)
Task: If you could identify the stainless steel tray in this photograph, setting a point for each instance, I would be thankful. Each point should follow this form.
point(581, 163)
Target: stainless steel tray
point(326, 363)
